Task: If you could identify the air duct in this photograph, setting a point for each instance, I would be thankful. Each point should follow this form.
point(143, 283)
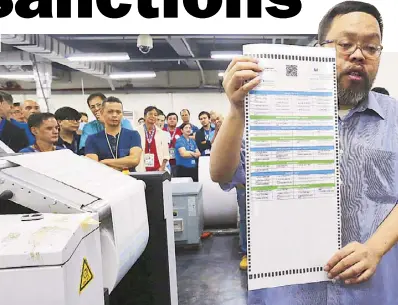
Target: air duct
point(55, 51)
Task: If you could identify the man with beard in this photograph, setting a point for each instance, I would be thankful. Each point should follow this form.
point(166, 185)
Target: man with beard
point(202, 136)
point(94, 102)
point(364, 269)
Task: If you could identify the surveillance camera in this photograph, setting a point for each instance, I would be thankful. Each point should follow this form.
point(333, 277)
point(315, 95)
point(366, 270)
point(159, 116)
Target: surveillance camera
point(145, 43)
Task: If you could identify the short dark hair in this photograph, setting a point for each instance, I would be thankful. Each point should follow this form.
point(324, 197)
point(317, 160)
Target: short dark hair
point(381, 90)
point(6, 97)
point(140, 119)
point(16, 104)
point(345, 8)
point(83, 114)
point(171, 114)
point(94, 95)
point(111, 99)
point(67, 113)
point(36, 119)
point(202, 113)
point(160, 112)
point(185, 124)
point(185, 110)
point(148, 109)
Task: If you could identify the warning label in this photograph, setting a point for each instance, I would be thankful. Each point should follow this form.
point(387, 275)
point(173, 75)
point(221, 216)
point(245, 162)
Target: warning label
point(87, 275)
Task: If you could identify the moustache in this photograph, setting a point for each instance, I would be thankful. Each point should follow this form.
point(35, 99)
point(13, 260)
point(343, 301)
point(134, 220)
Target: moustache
point(356, 71)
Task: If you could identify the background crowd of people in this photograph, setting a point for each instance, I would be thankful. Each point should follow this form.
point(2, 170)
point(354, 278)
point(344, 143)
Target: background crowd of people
point(159, 143)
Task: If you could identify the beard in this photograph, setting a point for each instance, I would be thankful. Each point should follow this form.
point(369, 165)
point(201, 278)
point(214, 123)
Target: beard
point(356, 92)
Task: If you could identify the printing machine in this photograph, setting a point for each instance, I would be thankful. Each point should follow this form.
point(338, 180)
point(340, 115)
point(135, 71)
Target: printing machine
point(70, 228)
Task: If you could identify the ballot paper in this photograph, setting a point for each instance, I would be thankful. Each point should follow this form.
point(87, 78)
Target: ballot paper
point(293, 206)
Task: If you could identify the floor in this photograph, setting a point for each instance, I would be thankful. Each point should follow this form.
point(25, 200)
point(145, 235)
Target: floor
point(211, 275)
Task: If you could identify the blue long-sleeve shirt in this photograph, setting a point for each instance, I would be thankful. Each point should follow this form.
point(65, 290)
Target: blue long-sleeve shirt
point(369, 192)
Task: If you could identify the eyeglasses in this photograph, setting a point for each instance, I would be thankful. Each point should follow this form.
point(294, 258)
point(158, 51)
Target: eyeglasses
point(369, 50)
point(96, 106)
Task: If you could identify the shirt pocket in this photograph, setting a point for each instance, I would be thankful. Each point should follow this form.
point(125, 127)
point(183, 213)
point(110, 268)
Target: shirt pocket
point(380, 172)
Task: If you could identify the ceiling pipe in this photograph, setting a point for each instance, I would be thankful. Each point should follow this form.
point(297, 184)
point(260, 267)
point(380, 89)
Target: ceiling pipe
point(120, 90)
point(55, 51)
point(134, 37)
point(202, 73)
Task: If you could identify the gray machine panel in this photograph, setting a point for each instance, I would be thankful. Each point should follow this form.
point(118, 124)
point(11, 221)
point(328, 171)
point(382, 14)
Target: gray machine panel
point(187, 212)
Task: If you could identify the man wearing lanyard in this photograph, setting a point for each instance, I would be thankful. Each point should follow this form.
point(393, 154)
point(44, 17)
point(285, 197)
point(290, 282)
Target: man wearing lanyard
point(202, 136)
point(68, 121)
point(95, 102)
point(115, 146)
point(175, 134)
point(44, 128)
point(154, 143)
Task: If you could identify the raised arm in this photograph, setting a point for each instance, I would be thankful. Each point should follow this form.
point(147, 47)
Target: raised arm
point(225, 154)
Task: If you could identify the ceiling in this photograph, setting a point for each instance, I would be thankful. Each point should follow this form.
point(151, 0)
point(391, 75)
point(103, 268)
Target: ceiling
point(169, 53)
point(172, 53)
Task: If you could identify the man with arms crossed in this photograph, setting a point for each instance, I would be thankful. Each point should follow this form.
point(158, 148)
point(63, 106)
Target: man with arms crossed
point(365, 269)
point(115, 146)
point(95, 102)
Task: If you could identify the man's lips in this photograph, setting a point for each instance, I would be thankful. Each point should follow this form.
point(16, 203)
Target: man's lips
point(355, 75)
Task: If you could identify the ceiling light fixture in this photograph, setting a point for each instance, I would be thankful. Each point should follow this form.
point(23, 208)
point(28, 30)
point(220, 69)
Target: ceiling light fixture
point(17, 76)
point(99, 57)
point(225, 55)
point(132, 75)
point(221, 74)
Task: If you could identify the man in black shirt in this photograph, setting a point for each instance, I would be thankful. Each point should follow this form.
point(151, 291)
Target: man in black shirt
point(11, 135)
point(202, 136)
point(69, 120)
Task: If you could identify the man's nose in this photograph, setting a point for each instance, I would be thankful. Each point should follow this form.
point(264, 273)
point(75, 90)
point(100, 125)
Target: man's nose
point(357, 56)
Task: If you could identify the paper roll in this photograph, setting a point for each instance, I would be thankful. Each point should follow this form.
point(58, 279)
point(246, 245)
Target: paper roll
point(129, 233)
point(124, 236)
point(220, 208)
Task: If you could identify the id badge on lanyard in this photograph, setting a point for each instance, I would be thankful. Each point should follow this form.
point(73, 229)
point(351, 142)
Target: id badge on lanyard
point(172, 153)
point(149, 158)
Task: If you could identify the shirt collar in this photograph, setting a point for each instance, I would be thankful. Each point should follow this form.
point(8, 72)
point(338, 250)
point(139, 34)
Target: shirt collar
point(372, 103)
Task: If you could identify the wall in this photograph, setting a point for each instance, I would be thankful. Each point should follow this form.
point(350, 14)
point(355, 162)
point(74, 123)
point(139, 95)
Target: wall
point(387, 76)
point(168, 102)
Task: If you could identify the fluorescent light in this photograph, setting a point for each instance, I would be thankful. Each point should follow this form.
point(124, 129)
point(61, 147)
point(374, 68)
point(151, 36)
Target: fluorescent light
point(19, 76)
point(225, 55)
point(99, 57)
point(221, 74)
point(132, 75)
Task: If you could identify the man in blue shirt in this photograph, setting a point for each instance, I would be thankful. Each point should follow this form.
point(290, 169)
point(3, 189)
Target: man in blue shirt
point(10, 135)
point(29, 107)
point(115, 146)
point(94, 102)
point(186, 117)
point(365, 268)
point(44, 127)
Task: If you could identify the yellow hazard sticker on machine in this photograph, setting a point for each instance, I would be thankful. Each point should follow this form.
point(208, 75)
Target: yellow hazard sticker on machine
point(86, 276)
